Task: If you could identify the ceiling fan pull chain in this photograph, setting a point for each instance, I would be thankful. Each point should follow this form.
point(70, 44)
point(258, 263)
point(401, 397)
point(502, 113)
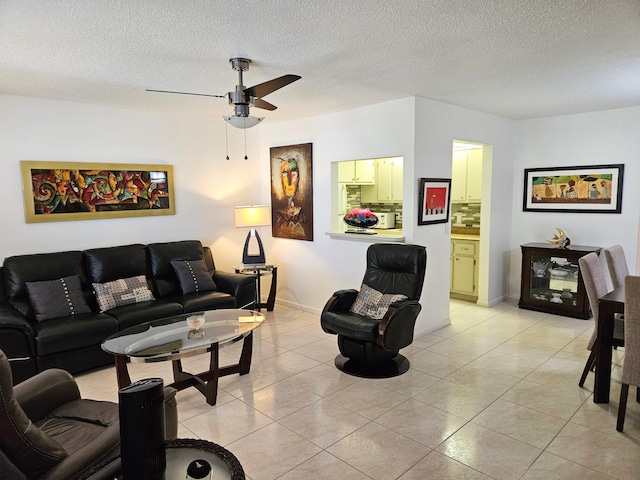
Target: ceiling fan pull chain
point(226, 138)
point(245, 144)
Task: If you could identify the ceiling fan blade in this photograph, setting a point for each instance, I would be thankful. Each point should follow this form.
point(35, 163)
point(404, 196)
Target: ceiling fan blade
point(264, 105)
point(266, 88)
point(187, 93)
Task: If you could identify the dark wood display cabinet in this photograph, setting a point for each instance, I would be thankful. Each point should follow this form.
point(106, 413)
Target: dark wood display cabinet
point(551, 280)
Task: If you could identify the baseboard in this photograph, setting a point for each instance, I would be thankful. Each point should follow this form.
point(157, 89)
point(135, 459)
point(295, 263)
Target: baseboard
point(304, 308)
point(494, 301)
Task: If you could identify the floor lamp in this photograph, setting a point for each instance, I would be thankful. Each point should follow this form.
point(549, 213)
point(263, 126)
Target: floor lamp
point(253, 216)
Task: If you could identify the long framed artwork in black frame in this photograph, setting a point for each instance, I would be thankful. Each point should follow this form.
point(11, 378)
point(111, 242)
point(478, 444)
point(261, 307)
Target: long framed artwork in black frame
point(583, 189)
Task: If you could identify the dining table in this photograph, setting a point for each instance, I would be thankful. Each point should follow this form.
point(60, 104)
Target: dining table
point(608, 306)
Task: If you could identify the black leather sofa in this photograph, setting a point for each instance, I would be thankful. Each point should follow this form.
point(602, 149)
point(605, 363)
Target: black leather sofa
point(72, 342)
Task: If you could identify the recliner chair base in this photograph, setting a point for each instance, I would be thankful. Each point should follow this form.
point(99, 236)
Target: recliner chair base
point(391, 368)
point(368, 360)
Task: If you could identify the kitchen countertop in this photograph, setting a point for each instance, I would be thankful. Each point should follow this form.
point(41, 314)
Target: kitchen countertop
point(464, 230)
point(460, 236)
point(381, 235)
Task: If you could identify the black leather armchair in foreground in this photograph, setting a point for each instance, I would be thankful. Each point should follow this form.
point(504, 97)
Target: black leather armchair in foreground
point(48, 432)
point(374, 324)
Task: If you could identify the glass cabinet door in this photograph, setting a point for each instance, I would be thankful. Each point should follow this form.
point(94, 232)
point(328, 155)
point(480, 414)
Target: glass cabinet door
point(554, 279)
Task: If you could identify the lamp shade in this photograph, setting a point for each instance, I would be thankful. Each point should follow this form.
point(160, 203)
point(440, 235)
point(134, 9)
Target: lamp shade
point(253, 216)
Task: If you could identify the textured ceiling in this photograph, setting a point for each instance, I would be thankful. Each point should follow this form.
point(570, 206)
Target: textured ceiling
point(518, 59)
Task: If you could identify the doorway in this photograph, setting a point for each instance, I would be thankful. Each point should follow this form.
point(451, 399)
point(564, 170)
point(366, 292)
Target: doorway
point(468, 163)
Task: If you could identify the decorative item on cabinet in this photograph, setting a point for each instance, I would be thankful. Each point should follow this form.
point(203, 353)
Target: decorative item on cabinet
point(561, 240)
point(551, 281)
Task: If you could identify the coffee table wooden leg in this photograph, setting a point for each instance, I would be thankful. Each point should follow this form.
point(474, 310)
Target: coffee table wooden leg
point(245, 357)
point(211, 391)
point(178, 374)
point(122, 372)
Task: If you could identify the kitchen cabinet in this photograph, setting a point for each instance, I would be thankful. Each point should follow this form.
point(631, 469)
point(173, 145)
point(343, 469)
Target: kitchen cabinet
point(388, 186)
point(464, 268)
point(466, 173)
point(551, 281)
point(357, 172)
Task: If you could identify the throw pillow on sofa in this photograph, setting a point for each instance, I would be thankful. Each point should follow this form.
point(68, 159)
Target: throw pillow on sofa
point(124, 291)
point(372, 303)
point(57, 298)
point(193, 275)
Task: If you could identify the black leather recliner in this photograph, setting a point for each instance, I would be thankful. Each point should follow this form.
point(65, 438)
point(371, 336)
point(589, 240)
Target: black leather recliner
point(369, 346)
point(48, 432)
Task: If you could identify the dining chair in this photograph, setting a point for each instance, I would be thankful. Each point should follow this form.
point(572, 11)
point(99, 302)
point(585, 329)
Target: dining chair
point(596, 287)
point(631, 365)
point(617, 264)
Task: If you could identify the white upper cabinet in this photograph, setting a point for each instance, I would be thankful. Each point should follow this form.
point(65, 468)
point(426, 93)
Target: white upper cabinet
point(388, 187)
point(466, 185)
point(357, 172)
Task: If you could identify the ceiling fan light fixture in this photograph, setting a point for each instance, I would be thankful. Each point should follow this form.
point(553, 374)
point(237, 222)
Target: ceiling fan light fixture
point(242, 122)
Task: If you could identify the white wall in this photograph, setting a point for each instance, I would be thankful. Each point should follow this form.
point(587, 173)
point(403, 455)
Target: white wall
point(310, 272)
point(422, 132)
point(595, 138)
point(207, 187)
point(437, 125)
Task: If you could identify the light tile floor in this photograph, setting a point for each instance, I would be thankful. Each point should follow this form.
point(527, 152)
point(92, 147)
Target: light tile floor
point(492, 396)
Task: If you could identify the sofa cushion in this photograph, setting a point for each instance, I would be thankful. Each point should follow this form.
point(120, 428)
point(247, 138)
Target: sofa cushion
point(72, 333)
point(122, 292)
point(198, 302)
point(160, 257)
point(372, 303)
point(57, 298)
point(137, 313)
point(28, 447)
point(193, 276)
point(111, 263)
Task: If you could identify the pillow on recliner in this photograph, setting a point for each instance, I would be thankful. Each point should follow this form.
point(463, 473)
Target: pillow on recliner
point(28, 447)
point(374, 304)
point(120, 292)
point(57, 298)
point(193, 275)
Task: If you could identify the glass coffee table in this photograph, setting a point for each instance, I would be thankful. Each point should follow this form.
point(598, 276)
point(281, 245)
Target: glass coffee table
point(182, 336)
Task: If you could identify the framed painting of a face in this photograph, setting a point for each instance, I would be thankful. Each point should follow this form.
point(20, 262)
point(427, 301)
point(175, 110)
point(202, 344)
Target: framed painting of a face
point(292, 191)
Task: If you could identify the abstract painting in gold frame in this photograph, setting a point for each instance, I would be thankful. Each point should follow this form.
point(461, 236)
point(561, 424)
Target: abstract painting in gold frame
point(61, 191)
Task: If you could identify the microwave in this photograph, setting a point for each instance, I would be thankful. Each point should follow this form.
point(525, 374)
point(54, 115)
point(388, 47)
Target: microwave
point(386, 220)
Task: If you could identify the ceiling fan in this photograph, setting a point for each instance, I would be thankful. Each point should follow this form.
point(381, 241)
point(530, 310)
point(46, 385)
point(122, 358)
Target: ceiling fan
point(244, 97)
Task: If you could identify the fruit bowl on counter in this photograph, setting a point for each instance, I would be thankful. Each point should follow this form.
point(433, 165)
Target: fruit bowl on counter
point(360, 219)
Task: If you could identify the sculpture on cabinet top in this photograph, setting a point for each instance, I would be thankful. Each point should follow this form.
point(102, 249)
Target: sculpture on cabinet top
point(561, 240)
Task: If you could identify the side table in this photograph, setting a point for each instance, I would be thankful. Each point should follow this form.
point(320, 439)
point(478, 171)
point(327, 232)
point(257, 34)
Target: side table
point(259, 271)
